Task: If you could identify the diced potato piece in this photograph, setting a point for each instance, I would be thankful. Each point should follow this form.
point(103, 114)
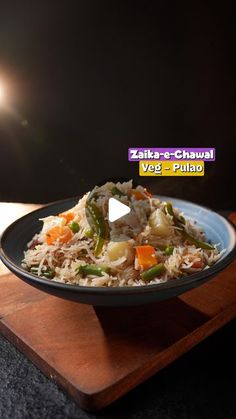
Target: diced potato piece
point(159, 223)
point(116, 250)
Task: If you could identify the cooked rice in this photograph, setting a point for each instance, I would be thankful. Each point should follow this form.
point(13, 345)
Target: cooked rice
point(65, 259)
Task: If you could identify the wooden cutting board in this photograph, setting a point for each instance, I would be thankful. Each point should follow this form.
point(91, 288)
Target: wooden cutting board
point(99, 354)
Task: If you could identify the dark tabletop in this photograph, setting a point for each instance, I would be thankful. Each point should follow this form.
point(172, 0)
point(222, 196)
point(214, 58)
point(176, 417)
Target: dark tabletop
point(201, 384)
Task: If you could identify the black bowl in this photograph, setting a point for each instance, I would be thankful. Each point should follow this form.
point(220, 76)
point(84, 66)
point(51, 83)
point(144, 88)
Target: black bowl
point(15, 238)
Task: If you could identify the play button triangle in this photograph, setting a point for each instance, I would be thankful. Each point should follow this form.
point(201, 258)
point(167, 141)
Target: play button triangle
point(116, 209)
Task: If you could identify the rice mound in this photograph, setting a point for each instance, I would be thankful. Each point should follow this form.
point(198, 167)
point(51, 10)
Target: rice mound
point(64, 259)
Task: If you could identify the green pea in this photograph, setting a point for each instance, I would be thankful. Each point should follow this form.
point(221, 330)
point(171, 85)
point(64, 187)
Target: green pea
point(74, 226)
point(89, 233)
point(169, 250)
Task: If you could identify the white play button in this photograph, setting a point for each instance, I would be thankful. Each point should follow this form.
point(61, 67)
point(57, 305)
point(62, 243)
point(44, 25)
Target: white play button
point(111, 219)
point(116, 210)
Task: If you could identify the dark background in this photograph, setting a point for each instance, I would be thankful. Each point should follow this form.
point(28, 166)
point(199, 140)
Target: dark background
point(92, 78)
point(86, 80)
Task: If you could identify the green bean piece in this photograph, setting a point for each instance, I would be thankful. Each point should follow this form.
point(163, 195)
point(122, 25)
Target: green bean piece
point(116, 191)
point(176, 219)
point(196, 242)
point(93, 270)
point(74, 226)
point(45, 271)
point(184, 233)
point(48, 273)
point(93, 195)
point(153, 272)
point(34, 270)
point(99, 226)
point(99, 245)
point(169, 209)
point(169, 250)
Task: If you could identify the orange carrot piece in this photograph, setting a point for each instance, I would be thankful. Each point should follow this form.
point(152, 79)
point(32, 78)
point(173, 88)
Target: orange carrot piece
point(141, 195)
point(137, 194)
point(69, 216)
point(146, 257)
point(53, 234)
point(149, 194)
point(64, 234)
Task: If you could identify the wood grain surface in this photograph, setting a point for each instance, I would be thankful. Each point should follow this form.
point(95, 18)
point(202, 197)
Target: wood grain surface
point(99, 354)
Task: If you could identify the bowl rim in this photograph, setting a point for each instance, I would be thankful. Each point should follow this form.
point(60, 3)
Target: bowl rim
point(127, 290)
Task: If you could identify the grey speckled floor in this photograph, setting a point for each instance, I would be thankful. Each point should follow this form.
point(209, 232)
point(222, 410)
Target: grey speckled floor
point(200, 385)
